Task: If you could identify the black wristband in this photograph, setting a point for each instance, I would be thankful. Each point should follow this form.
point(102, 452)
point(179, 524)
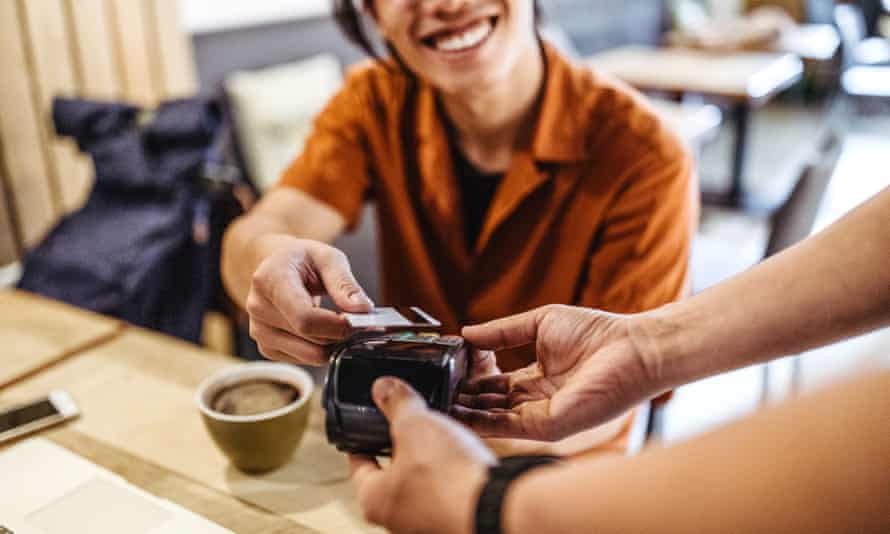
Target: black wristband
point(489, 508)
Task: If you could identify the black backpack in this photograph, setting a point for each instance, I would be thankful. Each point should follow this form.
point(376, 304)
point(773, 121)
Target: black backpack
point(145, 247)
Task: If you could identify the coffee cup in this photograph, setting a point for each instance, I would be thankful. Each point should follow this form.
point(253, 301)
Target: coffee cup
point(256, 413)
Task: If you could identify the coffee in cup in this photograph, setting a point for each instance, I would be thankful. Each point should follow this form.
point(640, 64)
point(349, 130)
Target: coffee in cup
point(256, 412)
point(253, 397)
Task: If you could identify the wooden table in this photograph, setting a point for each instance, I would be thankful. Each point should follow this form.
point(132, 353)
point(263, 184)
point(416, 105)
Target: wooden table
point(745, 80)
point(36, 333)
point(694, 123)
point(136, 394)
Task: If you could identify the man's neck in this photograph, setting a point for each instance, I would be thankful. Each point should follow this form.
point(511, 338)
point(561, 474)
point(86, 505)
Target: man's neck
point(492, 120)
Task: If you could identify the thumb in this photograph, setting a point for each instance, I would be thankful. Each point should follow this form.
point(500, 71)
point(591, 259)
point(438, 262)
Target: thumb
point(396, 399)
point(505, 333)
point(340, 284)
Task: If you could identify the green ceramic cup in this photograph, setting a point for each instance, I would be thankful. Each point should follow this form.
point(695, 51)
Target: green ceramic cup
point(262, 442)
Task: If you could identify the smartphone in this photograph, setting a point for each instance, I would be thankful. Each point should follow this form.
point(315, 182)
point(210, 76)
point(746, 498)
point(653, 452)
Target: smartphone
point(23, 419)
point(392, 317)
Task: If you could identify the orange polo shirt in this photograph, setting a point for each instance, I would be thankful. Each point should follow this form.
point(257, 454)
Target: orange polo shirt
point(596, 212)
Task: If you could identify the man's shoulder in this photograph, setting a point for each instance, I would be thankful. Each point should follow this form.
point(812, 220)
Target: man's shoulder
point(377, 82)
point(618, 118)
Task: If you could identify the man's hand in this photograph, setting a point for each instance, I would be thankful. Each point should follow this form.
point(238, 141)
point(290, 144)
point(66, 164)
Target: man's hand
point(437, 471)
point(283, 303)
point(590, 369)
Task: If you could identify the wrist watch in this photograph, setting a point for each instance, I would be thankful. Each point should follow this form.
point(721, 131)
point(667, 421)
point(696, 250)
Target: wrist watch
point(489, 508)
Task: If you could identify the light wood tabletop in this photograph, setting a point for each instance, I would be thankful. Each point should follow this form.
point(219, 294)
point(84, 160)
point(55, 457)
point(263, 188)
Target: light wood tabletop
point(36, 332)
point(139, 419)
point(749, 76)
point(694, 123)
point(747, 80)
point(216, 506)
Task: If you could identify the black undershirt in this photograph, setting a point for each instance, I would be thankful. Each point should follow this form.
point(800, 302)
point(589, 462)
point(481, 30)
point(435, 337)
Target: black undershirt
point(477, 190)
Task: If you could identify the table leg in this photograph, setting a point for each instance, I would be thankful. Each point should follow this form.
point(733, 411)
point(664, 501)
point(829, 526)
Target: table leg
point(741, 112)
point(765, 374)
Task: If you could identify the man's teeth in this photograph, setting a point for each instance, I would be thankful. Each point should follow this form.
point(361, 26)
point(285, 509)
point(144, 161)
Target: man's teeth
point(468, 38)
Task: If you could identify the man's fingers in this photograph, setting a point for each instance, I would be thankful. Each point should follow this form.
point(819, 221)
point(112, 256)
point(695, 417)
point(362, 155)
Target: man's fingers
point(485, 401)
point(487, 384)
point(259, 307)
point(289, 306)
point(483, 363)
point(490, 424)
point(530, 420)
point(369, 481)
point(303, 357)
point(396, 399)
point(273, 342)
point(314, 323)
point(505, 333)
point(364, 470)
point(323, 326)
point(339, 282)
point(317, 325)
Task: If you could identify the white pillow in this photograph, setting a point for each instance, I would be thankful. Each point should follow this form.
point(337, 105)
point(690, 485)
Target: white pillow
point(274, 109)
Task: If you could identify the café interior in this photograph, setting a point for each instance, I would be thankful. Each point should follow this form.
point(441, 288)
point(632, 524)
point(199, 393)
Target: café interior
point(111, 294)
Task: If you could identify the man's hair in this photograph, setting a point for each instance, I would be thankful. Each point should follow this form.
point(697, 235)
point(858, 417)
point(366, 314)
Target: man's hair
point(351, 21)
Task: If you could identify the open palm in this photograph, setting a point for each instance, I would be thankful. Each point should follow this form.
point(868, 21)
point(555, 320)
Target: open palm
point(589, 370)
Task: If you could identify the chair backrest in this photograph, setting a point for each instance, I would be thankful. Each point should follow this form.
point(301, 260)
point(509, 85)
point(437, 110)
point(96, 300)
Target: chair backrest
point(793, 222)
point(850, 23)
point(103, 49)
point(273, 108)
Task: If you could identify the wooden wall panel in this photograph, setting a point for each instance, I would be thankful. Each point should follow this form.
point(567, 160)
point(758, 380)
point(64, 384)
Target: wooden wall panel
point(96, 64)
point(9, 246)
point(175, 57)
point(26, 170)
point(109, 49)
point(52, 61)
point(130, 23)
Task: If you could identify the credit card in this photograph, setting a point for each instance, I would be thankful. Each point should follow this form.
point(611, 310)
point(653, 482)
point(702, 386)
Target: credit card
point(392, 317)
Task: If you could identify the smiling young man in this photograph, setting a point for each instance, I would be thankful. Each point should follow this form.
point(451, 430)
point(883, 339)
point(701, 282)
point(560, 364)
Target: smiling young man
point(504, 177)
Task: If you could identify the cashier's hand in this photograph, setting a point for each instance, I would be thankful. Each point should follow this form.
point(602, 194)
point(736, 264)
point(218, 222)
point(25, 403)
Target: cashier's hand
point(286, 319)
point(437, 471)
point(590, 369)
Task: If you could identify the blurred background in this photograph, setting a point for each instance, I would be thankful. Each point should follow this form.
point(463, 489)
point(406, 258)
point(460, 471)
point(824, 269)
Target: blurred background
point(786, 105)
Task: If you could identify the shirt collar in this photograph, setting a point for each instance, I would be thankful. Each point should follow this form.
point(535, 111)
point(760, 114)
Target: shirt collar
point(560, 134)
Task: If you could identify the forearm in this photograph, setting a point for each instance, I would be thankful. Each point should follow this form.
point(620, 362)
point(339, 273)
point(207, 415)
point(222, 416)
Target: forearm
point(247, 242)
point(818, 464)
point(833, 285)
point(282, 216)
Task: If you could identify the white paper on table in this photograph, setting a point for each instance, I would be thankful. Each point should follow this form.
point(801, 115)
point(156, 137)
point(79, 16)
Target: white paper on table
point(47, 489)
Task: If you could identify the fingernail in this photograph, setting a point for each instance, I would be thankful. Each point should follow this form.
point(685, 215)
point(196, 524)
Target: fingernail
point(361, 298)
point(384, 388)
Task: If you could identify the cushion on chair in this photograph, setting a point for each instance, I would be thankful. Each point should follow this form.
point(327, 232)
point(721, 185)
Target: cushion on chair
point(273, 109)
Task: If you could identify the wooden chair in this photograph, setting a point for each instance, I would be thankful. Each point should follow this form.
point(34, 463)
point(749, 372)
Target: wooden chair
point(865, 80)
point(790, 224)
point(107, 49)
point(794, 223)
point(859, 48)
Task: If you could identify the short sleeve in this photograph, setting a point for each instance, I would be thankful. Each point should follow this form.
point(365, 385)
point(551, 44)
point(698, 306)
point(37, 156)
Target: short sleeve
point(334, 164)
point(641, 258)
